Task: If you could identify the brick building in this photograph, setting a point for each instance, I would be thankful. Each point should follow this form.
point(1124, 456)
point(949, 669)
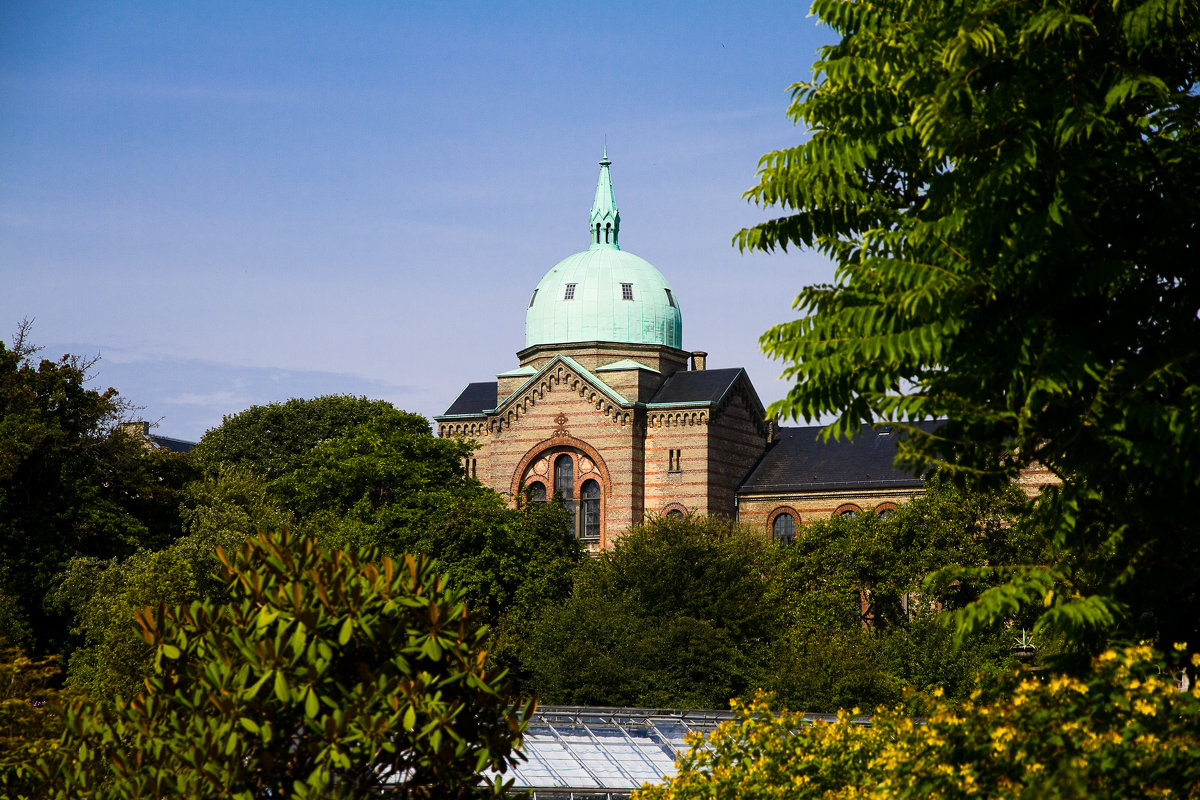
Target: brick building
point(608, 409)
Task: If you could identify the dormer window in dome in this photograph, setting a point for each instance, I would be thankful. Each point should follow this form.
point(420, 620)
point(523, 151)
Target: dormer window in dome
point(532, 298)
point(626, 291)
point(670, 297)
point(569, 292)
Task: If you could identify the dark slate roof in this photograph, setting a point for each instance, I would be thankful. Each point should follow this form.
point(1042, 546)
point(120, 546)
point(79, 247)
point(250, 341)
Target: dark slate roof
point(174, 445)
point(475, 399)
point(703, 386)
point(798, 461)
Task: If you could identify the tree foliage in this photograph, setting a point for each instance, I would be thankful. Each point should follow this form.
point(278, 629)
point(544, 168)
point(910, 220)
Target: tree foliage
point(71, 484)
point(272, 440)
point(1124, 731)
point(694, 612)
point(390, 484)
point(222, 509)
point(863, 628)
point(673, 614)
point(1008, 191)
point(329, 675)
point(30, 723)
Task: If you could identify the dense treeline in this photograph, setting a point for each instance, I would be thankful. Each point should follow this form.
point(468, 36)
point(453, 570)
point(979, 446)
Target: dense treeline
point(689, 612)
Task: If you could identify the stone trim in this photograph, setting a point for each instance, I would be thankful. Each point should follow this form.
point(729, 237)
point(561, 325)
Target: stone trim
point(461, 429)
point(669, 507)
point(779, 511)
point(564, 443)
point(554, 376)
point(677, 418)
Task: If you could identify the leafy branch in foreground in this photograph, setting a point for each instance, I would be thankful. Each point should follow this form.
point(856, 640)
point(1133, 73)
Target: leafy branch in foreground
point(1124, 731)
point(327, 676)
point(1008, 191)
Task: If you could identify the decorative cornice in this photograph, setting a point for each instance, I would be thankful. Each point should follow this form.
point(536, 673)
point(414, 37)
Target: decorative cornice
point(561, 371)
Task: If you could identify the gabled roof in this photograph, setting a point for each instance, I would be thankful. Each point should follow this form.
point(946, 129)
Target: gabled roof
point(799, 461)
point(625, 363)
point(703, 386)
point(474, 400)
point(174, 445)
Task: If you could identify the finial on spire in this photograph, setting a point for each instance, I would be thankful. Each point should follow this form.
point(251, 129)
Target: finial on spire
point(605, 220)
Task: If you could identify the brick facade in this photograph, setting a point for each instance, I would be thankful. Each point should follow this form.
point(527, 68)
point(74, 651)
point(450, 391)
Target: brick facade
point(624, 429)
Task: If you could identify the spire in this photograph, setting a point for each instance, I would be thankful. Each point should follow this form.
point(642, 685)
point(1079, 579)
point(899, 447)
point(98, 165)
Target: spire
point(605, 220)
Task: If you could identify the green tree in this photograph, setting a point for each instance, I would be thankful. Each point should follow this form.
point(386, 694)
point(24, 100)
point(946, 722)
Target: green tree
point(370, 484)
point(1124, 731)
point(71, 484)
point(30, 723)
point(673, 614)
point(274, 439)
point(1008, 191)
point(390, 484)
point(111, 658)
point(863, 629)
point(328, 675)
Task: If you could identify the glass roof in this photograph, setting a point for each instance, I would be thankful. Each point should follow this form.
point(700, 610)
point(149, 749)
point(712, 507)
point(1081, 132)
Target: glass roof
point(573, 751)
point(577, 752)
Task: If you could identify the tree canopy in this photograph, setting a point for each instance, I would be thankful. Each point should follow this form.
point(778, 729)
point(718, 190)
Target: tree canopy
point(329, 675)
point(1126, 730)
point(273, 439)
point(71, 484)
point(1008, 191)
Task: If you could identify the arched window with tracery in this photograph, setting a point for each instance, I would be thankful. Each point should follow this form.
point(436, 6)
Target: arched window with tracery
point(590, 498)
point(564, 484)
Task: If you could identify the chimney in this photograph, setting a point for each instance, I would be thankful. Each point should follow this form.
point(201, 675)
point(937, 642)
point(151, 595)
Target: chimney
point(698, 358)
point(138, 429)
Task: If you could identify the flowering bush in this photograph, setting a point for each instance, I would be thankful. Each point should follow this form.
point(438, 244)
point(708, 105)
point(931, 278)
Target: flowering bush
point(1126, 730)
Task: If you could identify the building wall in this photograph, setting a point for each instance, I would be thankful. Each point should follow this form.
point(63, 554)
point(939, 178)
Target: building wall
point(686, 488)
point(757, 511)
point(737, 439)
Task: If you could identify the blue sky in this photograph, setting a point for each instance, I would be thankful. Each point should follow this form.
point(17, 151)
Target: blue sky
point(236, 203)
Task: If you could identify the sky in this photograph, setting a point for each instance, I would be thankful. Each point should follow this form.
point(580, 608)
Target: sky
point(238, 203)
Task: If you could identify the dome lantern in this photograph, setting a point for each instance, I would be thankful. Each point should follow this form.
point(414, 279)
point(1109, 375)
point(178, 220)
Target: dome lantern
point(605, 220)
point(603, 294)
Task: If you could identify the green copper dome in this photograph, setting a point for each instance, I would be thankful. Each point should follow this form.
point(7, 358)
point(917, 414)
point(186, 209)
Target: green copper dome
point(604, 294)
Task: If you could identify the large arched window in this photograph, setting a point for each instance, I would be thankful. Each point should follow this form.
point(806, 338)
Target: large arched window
point(590, 495)
point(783, 529)
point(564, 484)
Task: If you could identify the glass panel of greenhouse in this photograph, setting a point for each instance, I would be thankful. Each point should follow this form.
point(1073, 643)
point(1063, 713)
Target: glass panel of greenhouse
point(576, 752)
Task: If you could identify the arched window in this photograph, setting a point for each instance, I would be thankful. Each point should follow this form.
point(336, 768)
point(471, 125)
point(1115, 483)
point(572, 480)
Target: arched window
point(590, 494)
point(607, 231)
point(675, 513)
point(783, 529)
point(564, 484)
point(847, 510)
point(537, 491)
